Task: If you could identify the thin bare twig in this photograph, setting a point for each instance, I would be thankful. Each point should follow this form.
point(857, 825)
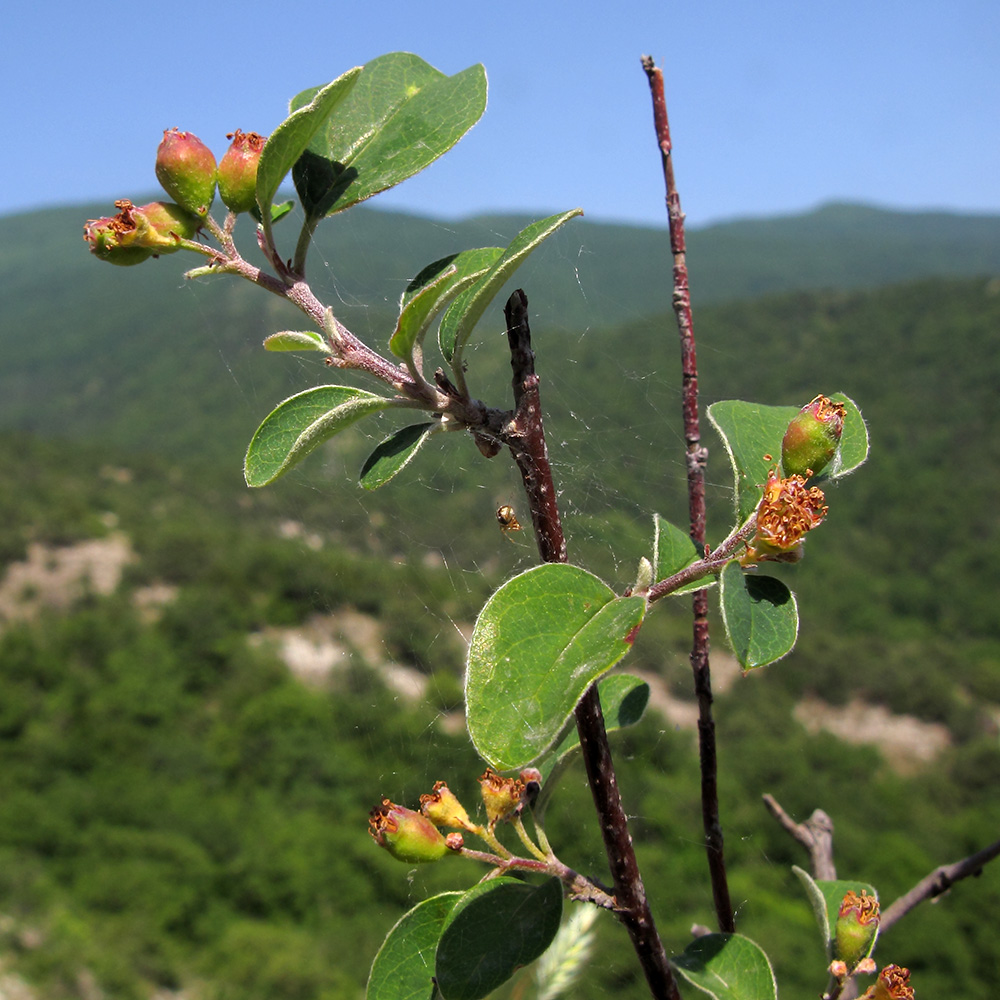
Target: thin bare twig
point(697, 456)
point(940, 880)
point(525, 437)
point(815, 835)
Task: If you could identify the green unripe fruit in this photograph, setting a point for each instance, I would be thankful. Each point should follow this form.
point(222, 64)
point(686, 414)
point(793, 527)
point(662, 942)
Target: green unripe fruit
point(856, 928)
point(812, 438)
point(162, 224)
point(138, 233)
point(407, 835)
point(103, 236)
point(185, 167)
point(238, 171)
point(442, 808)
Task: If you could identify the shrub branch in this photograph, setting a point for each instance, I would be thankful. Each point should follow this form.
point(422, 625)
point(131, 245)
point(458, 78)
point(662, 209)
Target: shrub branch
point(697, 455)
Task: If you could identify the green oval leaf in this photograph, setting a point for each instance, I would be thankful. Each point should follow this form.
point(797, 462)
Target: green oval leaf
point(300, 424)
point(751, 431)
point(826, 895)
point(432, 289)
point(394, 454)
point(297, 340)
point(290, 139)
point(727, 967)
point(760, 615)
point(543, 638)
point(278, 212)
point(401, 116)
point(403, 967)
point(623, 702)
point(673, 550)
point(495, 929)
point(463, 314)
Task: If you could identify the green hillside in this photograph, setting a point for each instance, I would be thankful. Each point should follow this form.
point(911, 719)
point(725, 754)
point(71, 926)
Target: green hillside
point(178, 811)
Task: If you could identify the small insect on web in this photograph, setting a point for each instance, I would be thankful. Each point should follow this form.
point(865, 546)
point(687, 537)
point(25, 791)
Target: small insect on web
point(507, 519)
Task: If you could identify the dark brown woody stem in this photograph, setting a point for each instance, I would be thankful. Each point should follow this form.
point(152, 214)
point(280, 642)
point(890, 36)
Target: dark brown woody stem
point(697, 455)
point(525, 437)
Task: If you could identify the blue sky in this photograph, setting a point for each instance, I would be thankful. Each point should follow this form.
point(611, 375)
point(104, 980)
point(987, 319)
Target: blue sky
point(776, 105)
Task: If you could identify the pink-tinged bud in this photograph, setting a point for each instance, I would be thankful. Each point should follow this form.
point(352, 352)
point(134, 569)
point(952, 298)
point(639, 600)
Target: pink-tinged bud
point(787, 510)
point(893, 983)
point(185, 167)
point(238, 171)
point(455, 841)
point(532, 779)
point(406, 835)
point(857, 925)
point(501, 796)
point(812, 438)
point(136, 233)
point(442, 808)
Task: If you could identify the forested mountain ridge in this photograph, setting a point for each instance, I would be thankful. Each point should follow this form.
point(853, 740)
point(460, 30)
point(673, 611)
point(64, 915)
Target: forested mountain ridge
point(139, 357)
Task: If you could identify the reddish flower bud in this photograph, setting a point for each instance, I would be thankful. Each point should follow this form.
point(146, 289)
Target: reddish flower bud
point(893, 983)
point(442, 808)
point(238, 171)
point(136, 233)
point(787, 510)
point(185, 167)
point(405, 834)
point(857, 926)
point(812, 437)
point(502, 796)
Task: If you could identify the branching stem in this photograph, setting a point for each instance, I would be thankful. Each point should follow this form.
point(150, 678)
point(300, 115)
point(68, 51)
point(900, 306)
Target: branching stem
point(938, 881)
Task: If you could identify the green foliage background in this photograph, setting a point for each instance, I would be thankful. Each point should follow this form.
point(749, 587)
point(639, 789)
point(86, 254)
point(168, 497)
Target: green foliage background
point(177, 811)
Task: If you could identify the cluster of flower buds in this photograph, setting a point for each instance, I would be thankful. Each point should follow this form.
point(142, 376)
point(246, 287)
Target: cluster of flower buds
point(415, 836)
point(893, 983)
point(187, 171)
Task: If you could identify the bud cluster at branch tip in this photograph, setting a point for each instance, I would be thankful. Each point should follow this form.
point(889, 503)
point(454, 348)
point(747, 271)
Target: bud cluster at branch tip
point(185, 168)
point(187, 171)
point(238, 171)
point(812, 438)
point(787, 510)
point(856, 928)
point(407, 835)
point(893, 983)
point(137, 233)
